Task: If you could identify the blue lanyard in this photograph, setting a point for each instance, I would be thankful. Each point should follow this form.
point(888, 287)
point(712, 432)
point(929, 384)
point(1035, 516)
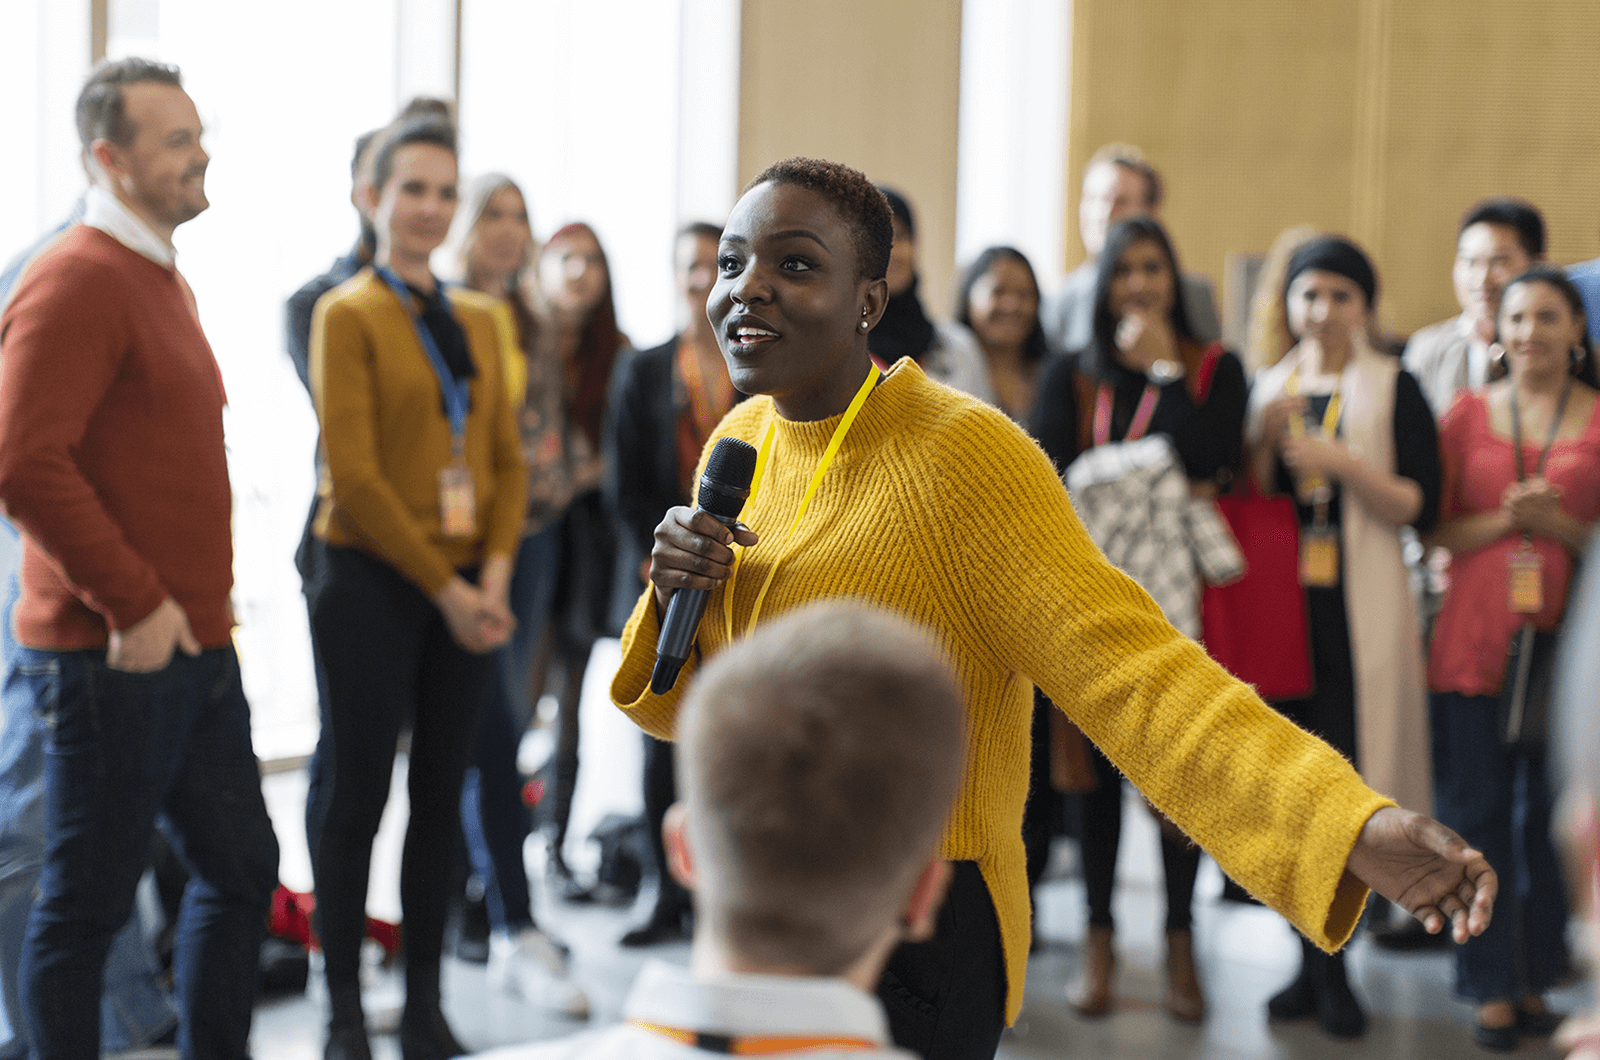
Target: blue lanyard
point(457, 392)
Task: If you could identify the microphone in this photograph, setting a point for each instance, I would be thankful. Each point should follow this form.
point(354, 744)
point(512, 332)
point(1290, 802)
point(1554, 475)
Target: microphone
point(724, 486)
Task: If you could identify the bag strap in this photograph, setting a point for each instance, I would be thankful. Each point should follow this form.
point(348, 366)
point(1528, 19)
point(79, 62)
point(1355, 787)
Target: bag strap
point(1206, 370)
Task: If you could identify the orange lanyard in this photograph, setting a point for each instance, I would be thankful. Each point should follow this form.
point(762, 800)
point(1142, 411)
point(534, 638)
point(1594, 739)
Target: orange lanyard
point(763, 455)
point(707, 412)
point(758, 1045)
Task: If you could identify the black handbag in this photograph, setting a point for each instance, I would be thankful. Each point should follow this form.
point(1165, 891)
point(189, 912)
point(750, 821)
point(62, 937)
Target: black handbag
point(1525, 689)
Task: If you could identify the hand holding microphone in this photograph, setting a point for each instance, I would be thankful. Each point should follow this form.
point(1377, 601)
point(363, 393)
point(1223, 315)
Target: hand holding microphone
point(693, 554)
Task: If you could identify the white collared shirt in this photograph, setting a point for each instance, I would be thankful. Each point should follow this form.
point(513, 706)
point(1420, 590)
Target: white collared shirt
point(105, 211)
point(730, 1004)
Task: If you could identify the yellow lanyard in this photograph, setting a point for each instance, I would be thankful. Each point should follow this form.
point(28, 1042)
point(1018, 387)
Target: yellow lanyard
point(1315, 487)
point(1330, 417)
point(762, 456)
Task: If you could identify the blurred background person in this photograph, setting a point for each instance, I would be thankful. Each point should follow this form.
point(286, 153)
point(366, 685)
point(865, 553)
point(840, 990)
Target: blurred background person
point(664, 404)
point(423, 497)
point(1522, 493)
point(946, 352)
point(1118, 183)
point(1267, 335)
point(1495, 240)
point(573, 297)
point(1144, 372)
point(1345, 430)
point(1575, 760)
point(492, 245)
point(998, 301)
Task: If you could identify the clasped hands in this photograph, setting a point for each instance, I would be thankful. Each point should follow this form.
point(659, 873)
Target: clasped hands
point(1309, 454)
point(1533, 506)
point(479, 616)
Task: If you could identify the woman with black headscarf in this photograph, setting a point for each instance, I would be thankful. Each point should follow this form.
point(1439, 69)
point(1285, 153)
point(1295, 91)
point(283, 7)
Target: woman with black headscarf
point(1347, 432)
point(945, 352)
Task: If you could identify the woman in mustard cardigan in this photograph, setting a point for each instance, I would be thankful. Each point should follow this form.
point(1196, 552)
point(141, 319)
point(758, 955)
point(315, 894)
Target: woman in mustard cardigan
point(422, 493)
point(935, 505)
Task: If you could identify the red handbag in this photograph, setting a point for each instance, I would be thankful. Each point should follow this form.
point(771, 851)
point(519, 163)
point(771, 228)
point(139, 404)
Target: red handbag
point(1256, 627)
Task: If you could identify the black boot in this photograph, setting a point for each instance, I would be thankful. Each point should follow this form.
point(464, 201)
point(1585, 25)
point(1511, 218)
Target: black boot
point(424, 1033)
point(347, 1026)
point(1338, 1011)
point(668, 923)
point(1298, 1000)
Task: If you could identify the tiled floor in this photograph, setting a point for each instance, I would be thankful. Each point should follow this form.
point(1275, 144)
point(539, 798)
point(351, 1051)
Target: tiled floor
point(1245, 954)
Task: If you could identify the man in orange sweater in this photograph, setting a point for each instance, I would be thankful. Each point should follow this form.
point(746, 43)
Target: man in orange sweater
point(112, 466)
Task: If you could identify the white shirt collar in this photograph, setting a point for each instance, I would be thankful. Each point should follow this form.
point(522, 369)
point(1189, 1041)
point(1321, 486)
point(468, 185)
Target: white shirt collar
point(105, 211)
point(745, 1005)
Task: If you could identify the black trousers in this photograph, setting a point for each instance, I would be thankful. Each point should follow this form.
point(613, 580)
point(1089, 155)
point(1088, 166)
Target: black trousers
point(389, 660)
point(946, 998)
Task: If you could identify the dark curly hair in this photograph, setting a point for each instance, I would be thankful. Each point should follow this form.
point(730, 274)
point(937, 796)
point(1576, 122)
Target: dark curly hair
point(855, 197)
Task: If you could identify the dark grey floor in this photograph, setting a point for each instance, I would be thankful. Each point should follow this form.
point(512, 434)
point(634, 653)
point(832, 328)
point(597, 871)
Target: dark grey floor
point(1245, 954)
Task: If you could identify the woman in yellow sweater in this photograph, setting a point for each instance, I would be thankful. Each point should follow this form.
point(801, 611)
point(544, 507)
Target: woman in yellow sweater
point(422, 504)
point(936, 506)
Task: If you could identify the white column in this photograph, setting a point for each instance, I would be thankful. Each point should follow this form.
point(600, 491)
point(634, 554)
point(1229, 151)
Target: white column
point(708, 110)
point(1015, 66)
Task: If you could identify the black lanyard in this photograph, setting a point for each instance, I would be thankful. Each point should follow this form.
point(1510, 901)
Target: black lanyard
point(1555, 425)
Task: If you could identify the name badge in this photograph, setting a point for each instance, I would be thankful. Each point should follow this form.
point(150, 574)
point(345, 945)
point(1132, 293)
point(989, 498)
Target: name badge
point(1319, 557)
point(1526, 582)
point(458, 505)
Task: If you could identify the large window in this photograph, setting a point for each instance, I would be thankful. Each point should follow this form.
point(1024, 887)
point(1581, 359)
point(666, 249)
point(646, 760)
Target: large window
point(582, 103)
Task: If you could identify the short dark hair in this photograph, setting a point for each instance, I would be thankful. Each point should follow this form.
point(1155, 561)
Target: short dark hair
point(698, 228)
point(1519, 215)
point(1132, 159)
point(99, 111)
point(403, 133)
point(1121, 236)
point(850, 192)
point(1035, 346)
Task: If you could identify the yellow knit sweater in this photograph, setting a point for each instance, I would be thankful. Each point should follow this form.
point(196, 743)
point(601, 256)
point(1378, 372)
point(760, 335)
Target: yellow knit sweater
point(940, 508)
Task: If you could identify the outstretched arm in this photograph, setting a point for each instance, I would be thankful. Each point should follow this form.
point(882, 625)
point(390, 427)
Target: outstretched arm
point(1424, 867)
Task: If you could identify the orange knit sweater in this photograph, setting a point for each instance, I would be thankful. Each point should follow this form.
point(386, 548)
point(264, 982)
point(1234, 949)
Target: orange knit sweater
point(940, 508)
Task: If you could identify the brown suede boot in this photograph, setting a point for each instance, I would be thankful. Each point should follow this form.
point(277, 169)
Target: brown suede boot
point(1092, 994)
point(1184, 1000)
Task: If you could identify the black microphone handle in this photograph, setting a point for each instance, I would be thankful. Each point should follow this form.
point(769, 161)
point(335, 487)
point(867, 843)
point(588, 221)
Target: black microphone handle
point(678, 631)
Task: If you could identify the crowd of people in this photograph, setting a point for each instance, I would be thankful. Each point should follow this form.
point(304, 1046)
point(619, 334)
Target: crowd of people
point(503, 480)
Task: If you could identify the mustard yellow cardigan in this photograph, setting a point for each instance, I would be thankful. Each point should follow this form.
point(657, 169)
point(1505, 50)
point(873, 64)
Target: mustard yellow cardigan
point(940, 508)
point(385, 435)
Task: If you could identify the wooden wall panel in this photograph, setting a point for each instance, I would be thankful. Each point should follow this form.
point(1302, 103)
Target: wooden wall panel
point(873, 85)
point(1379, 118)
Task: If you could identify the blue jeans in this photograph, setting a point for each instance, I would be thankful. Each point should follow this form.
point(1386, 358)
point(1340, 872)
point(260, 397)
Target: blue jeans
point(1499, 800)
point(494, 821)
point(138, 1007)
point(124, 750)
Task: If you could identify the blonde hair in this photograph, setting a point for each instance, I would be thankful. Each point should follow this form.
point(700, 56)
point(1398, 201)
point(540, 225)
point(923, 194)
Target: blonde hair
point(457, 249)
point(1267, 334)
point(818, 760)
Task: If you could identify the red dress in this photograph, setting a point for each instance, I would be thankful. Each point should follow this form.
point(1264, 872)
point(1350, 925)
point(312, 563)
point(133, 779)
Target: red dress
point(1474, 628)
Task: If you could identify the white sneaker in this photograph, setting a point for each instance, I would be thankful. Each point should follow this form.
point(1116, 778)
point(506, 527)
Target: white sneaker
point(529, 966)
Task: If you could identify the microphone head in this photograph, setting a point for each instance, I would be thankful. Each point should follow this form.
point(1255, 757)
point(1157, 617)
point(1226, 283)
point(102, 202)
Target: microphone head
point(725, 483)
